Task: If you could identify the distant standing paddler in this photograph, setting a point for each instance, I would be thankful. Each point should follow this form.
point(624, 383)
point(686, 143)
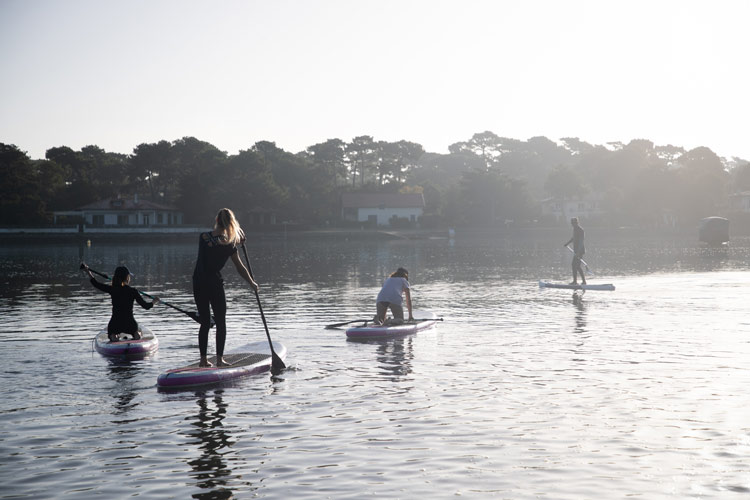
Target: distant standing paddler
point(578, 250)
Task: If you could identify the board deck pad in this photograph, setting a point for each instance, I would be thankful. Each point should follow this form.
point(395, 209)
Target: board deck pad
point(234, 360)
point(127, 337)
point(250, 359)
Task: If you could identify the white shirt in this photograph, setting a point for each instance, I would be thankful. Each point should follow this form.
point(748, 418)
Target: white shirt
point(392, 290)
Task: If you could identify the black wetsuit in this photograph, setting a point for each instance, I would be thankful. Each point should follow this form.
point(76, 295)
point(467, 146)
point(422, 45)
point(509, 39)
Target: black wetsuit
point(578, 236)
point(208, 289)
point(122, 320)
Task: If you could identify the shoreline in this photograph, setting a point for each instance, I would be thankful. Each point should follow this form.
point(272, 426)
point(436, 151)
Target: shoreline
point(37, 235)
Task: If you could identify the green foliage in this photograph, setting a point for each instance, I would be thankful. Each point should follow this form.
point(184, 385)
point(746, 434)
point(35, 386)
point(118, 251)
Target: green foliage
point(487, 179)
point(20, 187)
point(491, 198)
point(564, 183)
point(152, 169)
point(330, 159)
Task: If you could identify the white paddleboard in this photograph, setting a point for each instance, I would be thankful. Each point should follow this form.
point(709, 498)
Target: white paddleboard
point(373, 331)
point(606, 286)
point(127, 346)
point(246, 360)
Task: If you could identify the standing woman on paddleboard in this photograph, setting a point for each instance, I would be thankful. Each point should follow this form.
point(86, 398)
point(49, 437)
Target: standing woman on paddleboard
point(578, 251)
point(390, 297)
point(214, 249)
point(123, 296)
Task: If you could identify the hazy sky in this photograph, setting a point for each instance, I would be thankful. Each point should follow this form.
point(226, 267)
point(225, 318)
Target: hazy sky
point(120, 73)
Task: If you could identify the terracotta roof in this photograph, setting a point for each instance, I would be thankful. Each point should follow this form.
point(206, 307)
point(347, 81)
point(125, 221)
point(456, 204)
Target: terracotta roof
point(125, 204)
point(388, 200)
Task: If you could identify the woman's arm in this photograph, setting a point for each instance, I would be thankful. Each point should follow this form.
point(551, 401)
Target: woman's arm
point(100, 286)
point(408, 302)
point(142, 302)
point(242, 270)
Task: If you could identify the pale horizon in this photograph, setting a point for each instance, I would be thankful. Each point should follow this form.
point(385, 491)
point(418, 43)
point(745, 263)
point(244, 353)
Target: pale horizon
point(233, 73)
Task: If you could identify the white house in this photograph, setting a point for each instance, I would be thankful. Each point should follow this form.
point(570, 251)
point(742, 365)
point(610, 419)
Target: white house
point(740, 202)
point(119, 212)
point(381, 208)
point(565, 209)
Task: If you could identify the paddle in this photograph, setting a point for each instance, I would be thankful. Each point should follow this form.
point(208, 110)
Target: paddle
point(189, 313)
point(582, 261)
point(336, 325)
point(276, 362)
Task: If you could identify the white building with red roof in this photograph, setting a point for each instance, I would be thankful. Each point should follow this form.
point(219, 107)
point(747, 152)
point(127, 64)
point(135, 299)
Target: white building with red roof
point(120, 212)
point(382, 209)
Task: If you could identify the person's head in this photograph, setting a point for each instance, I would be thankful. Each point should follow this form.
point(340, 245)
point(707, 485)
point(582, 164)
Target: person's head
point(121, 276)
point(574, 221)
point(400, 273)
point(227, 223)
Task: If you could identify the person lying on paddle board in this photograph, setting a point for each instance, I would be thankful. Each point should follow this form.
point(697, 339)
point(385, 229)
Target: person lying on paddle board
point(390, 297)
point(123, 296)
point(578, 251)
point(214, 249)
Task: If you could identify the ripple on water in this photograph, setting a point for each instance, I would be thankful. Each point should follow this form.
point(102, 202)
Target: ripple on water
point(520, 393)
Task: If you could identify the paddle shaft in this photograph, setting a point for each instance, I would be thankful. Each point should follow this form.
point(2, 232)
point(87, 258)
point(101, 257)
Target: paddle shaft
point(191, 314)
point(336, 325)
point(276, 362)
point(582, 261)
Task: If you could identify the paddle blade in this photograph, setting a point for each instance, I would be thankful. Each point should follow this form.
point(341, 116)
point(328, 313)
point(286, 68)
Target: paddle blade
point(277, 364)
point(198, 319)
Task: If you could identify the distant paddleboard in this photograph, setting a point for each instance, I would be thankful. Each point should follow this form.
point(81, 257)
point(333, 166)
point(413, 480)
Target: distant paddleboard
point(546, 284)
point(127, 346)
point(249, 359)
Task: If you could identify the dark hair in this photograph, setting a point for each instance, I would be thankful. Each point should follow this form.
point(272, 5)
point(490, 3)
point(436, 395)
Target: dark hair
point(400, 273)
point(121, 274)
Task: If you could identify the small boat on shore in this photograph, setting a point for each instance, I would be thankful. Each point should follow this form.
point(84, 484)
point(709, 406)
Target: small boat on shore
point(714, 230)
point(127, 346)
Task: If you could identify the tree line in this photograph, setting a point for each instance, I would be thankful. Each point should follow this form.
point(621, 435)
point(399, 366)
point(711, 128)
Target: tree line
point(485, 180)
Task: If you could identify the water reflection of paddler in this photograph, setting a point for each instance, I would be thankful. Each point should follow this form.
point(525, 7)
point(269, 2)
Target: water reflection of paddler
point(211, 470)
point(580, 318)
point(396, 356)
point(123, 373)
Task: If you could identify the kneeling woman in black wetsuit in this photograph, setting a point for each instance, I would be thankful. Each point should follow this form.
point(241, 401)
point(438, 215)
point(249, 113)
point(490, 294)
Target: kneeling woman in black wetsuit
point(123, 296)
point(214, 249)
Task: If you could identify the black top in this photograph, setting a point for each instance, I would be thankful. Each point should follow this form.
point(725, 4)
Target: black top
point(122, 320)
point(212, 255)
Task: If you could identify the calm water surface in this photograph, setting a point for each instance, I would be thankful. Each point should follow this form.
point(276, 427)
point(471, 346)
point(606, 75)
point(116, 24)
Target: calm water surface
point(520, 393)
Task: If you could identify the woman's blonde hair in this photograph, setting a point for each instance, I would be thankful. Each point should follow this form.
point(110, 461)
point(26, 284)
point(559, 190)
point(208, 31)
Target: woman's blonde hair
point(227, 223)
